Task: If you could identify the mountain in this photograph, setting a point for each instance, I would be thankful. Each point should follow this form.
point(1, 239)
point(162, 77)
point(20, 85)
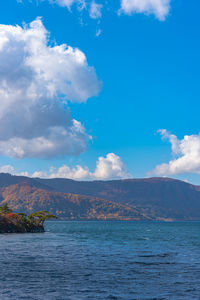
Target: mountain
point(25, 198)
point(131, 199)
point(162, 198)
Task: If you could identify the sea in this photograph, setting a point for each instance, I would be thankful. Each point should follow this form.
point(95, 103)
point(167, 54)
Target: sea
point(102, 260)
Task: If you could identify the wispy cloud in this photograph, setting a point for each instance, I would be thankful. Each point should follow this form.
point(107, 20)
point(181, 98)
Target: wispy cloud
point(159, 8)
point(95, 10)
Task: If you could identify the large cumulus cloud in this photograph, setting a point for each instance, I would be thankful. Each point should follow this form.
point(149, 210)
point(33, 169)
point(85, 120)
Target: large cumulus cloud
point(36, 81)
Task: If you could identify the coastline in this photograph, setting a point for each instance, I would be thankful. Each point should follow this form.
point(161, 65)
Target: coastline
point(9, 226)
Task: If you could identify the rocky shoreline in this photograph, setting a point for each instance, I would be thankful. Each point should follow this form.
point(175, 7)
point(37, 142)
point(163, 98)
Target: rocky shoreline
point(8, 226)
point(11, 222)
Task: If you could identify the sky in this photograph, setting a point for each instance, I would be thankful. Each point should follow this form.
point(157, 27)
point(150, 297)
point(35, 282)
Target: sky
point(98, 90)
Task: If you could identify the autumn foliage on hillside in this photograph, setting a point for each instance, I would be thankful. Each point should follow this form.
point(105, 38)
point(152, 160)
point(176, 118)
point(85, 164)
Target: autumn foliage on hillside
point(162, 199)
point(25, 198)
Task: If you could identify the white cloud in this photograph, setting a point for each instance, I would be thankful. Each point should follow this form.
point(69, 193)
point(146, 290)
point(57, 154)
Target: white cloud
point(11, 170)
point(92, 7)
point(160, 8)
point(187, 155)
point(172, 138)
point(109, 167)
point(81, 4)
point(98, 32)
point(36, 81)
point(95, 10)
point(64, 3)
point(78, 172)
point(7, 169)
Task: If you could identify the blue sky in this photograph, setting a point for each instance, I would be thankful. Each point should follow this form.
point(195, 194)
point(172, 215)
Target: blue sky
point(149, 72)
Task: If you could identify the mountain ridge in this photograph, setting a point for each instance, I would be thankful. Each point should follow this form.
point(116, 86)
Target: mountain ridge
point(153, 198)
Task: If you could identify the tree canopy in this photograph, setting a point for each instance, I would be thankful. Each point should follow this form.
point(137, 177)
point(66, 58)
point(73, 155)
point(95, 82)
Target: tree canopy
point(30, 222)
point(40, 216)
point(4, 209)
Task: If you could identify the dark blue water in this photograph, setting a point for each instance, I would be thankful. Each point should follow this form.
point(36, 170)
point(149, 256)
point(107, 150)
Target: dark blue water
point(102, 260)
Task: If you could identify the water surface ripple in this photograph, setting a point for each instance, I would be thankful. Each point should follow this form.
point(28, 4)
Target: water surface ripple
point(102, 260)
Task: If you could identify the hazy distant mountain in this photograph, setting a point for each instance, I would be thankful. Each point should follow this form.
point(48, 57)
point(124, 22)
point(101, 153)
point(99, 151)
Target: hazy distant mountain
point(143, 199)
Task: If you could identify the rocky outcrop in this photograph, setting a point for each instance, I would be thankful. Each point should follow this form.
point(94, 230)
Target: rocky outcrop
point(7, 225)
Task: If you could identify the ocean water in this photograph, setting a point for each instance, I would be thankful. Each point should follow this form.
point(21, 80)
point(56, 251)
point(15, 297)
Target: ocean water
point(102, 260)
